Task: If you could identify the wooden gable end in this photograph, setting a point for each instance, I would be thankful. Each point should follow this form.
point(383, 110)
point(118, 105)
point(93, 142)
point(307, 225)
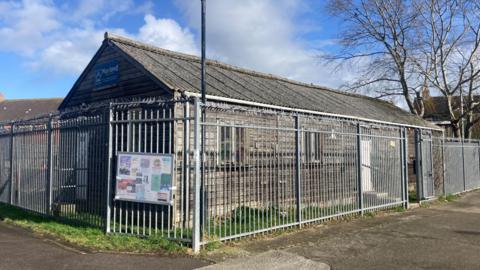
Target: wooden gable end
point(131, 80)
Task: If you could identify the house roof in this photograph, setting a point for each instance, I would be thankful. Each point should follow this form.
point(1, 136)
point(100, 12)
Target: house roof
point(436, 108)
point(181, 72)
point(20, 109)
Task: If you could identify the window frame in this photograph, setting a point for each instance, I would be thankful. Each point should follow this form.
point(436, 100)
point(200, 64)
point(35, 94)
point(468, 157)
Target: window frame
point(314, 143)
point(235, 145)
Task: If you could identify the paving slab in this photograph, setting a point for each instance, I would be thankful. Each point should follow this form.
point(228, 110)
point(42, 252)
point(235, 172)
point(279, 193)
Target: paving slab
point(270, 260)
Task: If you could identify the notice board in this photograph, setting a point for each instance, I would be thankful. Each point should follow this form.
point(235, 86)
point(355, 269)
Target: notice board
point(144, 178)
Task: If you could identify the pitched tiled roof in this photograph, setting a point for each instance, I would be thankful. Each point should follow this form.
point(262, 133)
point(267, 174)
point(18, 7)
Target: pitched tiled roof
point(182, 72)
point(18, 109)
point(436, 108)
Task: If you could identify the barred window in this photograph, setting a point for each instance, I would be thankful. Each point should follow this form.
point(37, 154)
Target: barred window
point(313, 146)
point(232, 145)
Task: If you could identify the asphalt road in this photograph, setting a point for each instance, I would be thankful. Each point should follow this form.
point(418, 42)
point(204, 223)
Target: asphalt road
point(445, 236)
point(20, 250)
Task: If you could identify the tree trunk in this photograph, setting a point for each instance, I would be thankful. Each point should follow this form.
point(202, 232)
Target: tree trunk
point(456, 130)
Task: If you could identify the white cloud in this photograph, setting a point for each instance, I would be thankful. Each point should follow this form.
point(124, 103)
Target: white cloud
point(262, 35)
point(105, 8)
point(66, 55)
point(167, 34)
point(48, 41)
point(25, 25)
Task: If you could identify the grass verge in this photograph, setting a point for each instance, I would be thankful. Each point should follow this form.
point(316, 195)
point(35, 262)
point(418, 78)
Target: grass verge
point(87, 237)
point(448, 198)
point(412, 197)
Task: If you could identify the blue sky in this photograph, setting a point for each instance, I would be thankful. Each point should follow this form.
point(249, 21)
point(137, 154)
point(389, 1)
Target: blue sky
point(45, 44)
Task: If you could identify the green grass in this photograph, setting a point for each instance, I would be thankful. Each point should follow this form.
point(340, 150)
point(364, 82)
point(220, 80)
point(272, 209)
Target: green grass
point(86, 237)
point(451, 197)
point(412, 196)
point(448, 198)
point(247, 219)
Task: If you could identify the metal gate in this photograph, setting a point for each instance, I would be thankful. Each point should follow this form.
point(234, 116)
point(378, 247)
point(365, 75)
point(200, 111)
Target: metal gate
point(425, 177)
point(472, 169)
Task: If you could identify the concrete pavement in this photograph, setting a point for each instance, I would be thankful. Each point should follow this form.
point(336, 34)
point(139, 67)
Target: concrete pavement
point(443, 236)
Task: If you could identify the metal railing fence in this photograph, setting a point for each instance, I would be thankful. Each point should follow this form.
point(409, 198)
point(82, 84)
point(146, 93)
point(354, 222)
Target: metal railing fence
point(462, 165)
point(242, 171)
point(447, 165)
point(153, 128)
point(264, 171)
point(56, 167)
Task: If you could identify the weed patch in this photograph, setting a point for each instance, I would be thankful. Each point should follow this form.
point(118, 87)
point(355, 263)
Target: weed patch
point(87, 237)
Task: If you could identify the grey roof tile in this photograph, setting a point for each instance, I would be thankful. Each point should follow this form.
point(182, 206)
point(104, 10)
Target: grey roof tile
point(20, 109)
point(181, 72)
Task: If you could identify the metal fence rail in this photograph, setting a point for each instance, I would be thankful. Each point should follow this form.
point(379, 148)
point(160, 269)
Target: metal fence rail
point(78, 169)
point(265, 171)
point(152, 128)
point(55, 167)
point(461, 165)
point(5, 161)
point(241, 171)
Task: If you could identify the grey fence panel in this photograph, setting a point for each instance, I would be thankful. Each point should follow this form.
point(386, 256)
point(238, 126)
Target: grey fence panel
point(152, 128)
point(5, 166)
point(472, 162)
point(462, 165)
point(266, 171)
point(249, 183)
point(381, 168)
point(428, 187)
point(79, 154)
point(259, 170)
point(30, 166)
point(58, 167)
point(329, 171)
point(453, 168)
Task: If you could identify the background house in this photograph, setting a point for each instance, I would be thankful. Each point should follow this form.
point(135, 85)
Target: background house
point(21, 109)
point(436, 111)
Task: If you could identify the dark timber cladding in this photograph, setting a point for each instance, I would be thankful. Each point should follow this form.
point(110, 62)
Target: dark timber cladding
point(132, 81)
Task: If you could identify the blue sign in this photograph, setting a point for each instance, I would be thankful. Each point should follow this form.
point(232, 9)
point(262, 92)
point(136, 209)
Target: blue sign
point(106, 75)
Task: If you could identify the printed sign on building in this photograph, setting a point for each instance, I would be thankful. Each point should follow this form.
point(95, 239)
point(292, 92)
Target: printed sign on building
point(106, 75)
point(144, 178)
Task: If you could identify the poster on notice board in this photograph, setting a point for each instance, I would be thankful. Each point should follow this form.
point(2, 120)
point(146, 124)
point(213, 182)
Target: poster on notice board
point(144, 178)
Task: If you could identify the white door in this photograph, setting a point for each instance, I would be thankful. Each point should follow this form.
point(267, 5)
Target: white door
point(366, 150)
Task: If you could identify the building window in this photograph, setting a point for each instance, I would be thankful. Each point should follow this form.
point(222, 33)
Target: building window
point(232, 145)
point(313, 146)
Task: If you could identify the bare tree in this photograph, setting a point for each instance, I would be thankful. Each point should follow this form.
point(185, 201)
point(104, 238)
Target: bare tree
point(383, 36)
point(451, 46)
point(409, 48)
